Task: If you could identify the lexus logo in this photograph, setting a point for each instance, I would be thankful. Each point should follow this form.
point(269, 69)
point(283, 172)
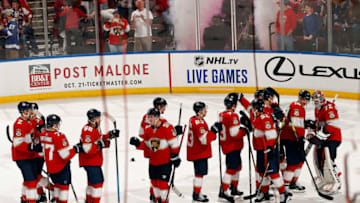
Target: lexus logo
point(280, 69)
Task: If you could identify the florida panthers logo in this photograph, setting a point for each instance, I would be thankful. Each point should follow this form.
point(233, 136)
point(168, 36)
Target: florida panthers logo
point(155, 144)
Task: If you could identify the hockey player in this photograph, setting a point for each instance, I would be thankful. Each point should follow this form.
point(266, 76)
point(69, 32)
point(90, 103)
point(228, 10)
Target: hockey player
point(38, 122)
point(161, 139)
point(57, 154)
point(267, 163)
point(23, 152)
point(231, 140)
point(91, 158)
point(199, 147)
point(327, 139)
point(295, 149)
point(160, 104)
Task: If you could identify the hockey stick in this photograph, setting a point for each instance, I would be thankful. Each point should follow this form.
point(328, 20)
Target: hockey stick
point(328, 197)
point(172, 178)
point(260, 185)
point(111, 118)
point(8, 133)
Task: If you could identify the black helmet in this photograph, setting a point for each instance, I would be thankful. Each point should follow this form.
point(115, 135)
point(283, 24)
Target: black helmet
point(159, 101)
point(52, 119)
point(23, 105)
point(230, 100)
point(92, 114)
point(34, 106)
point(258, 104)
point(259, 94)
point(153, 111)
point(198, 106)
point(304, 94)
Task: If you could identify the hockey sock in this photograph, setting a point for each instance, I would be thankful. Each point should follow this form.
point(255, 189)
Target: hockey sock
point(152, 191)
point(297, 172)
point(198, 183)
point(283, 165)
point(289, 173)
point(278, 182)
point(235, 179)
point(96, 192)
point(39, 186)
point(88, 193)
point(56, 192)
point(63, 193)
point(31, 192)
point(227, 178)
point(155, 189)
point(163, 187)
point(265, 185)
point(23, 192)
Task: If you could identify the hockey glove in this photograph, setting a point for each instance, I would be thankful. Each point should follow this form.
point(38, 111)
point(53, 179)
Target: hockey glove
point(245, 122)
point(78, 147)
point(135, 141)
point(314, 139)
point(179, 129)
point(114, 133)
point(217, 127)
point(35, 147)
point(175, 160)
point(278, 113)
point(310, 124)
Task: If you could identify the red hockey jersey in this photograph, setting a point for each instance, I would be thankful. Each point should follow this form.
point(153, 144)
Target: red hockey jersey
point(264, 132)
point(92, 155)
point(35, 122)
point(297, 115)
point(57, 151)
point(199, 139)
point(162, 142)
point(23, 131)
point(117, 31)
point(328, 118)
point(247, 106)
point(231, 136)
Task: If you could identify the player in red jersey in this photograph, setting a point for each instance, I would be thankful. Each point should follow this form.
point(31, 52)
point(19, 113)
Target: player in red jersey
point(327, 139)
point(161, 139)
point(91, 158)
point(57, 154)
point(160, 104)
point(38, 122)
point(199, 147)
point(23, 152)
point(231, 141)
point(294, 147)
point(267, 163)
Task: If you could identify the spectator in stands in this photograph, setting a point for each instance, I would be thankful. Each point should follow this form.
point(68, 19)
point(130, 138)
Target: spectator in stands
point(126, 7)
point(311, 27)
point(216, 35)
point(289, 22)
point(72, 32)
point(118, 27)
point(11, 33)
point(24, 17)
point(352, 24)
point(142, 25)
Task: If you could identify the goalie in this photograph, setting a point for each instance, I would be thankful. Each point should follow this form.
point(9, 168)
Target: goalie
point(326, 136)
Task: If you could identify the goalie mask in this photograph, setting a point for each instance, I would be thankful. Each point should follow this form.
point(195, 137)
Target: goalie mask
point(318, 98)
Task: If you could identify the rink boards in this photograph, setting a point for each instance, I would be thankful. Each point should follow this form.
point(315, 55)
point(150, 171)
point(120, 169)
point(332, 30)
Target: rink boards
point(178, 72)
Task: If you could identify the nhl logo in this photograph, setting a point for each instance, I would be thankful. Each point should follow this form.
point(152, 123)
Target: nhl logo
point(199, 60)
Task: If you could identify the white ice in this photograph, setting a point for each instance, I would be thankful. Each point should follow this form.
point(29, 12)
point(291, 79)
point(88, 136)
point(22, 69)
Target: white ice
point(73, 114)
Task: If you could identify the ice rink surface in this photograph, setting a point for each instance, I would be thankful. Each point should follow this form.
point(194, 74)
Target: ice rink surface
point(73, 114)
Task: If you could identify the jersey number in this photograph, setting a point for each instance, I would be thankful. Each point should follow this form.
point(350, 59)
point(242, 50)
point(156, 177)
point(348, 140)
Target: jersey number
point(51, 150)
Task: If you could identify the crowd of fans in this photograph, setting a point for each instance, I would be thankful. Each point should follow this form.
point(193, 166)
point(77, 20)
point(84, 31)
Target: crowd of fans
point(129, 26)
point(16, 32)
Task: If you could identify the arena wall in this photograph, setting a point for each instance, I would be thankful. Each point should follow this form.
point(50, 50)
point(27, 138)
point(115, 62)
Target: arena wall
point(178, 72)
